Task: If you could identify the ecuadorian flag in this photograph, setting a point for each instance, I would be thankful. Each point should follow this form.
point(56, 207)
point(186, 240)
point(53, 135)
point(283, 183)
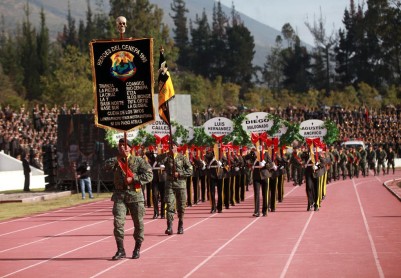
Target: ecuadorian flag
point(166, 89)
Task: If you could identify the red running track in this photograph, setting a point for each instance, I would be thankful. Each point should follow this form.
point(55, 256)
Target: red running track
point(356, 233)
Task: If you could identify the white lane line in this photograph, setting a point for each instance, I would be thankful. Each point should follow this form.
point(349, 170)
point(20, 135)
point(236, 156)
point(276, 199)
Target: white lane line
point(55, 257)
point(50, 212)
point(228, 242)
point(50, 237)
point(66, 253)
point(221, 248)
point(48, 223)
point(294, 250)
point(372, 244)
point(149, 248)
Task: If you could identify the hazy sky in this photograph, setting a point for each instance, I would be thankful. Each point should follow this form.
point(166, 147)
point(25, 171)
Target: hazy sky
point(276, 13)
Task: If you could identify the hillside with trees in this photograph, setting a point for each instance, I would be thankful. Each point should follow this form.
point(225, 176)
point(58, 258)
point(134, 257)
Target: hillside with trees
point(211, 58)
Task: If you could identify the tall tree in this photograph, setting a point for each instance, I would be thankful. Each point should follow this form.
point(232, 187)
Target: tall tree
point(70, 34)
point(28, 57)
point(323, 54)
point(180, 31)
point(240, 46)
point(199, 56)
point(218, 42)
point(43, 44)
point(274, 66)
point(296, 67)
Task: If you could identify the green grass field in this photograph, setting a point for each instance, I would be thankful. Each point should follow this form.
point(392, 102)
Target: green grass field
point(14, 210)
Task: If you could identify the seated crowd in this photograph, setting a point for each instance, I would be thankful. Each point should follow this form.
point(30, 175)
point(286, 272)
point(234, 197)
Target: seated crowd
point(24, 131)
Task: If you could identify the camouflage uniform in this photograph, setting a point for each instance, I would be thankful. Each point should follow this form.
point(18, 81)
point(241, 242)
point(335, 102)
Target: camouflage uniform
point(363, 163)
point(175, 191)
point(129, 196)
point(357, 160)
point(350, 164)
point(390, 161)
point(371, 157)
point(342, 163)
point(381, 158)
point(334, 164)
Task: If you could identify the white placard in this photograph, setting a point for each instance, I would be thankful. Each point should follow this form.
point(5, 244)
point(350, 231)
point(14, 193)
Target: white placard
point(218, 126)
point(257, 122)
point(312, 129)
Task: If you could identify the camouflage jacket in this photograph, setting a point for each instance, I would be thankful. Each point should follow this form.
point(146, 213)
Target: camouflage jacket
point(142, 174)
point(179, 164)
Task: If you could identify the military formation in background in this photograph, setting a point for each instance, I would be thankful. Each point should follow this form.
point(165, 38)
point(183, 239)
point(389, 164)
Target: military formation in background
point(222, 176)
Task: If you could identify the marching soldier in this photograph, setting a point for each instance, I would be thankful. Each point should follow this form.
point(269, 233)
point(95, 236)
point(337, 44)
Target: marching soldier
point(281, 164)
point(363, 160)
point(215, 175)
point(371, 158)
point(130, 173)
point(260, 177)
point(357, 160)
point(297, 165)
point(158, 182)
point(350, 162)
point(390, 160)
point(381, 158)
point(334, 164)
point(273, 182)
point(236, 179)
point(178, 168)
point(198, 168)
point(343, 163)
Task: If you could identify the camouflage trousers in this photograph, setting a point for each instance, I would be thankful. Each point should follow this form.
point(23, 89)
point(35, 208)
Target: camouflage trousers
point(137, 211)
point(176, 198)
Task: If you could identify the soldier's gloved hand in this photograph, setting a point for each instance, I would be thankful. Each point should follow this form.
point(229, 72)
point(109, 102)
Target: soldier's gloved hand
point(274, 167)
point(262, 163)
point(315, 167)
point(219, 163)
point(162, 167)
point(203, 165)
point(236, 169)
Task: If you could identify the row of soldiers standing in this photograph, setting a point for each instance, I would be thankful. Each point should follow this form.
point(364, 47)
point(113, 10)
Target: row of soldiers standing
point(222, 176)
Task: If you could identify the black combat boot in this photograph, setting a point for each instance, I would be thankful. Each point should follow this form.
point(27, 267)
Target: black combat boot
point(120, 251)
point(180, 228)
point(169, 230)
point(135, 254)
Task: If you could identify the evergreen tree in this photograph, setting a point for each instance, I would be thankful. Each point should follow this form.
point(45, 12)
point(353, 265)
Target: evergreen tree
point(323, 55)
point(28, 58)
point(43, 43)
point(346, 67)
point(238, 58)
point(274, 66)
point(69, 35)
point(181, 31)
point(296, 67)
point(218, 42)
point(104, 26)
point(199, 56)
